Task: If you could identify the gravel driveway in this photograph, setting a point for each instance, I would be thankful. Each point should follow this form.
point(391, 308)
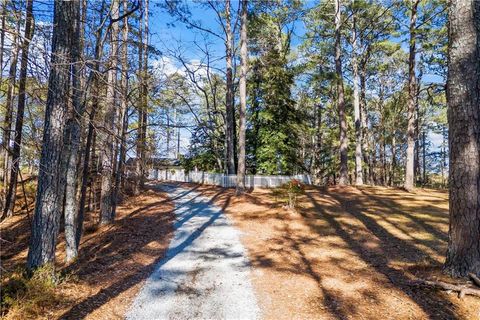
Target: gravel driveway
point(205, 273)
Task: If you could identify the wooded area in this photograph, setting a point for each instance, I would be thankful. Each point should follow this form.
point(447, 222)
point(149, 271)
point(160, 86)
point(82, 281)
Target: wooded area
point(350, 92)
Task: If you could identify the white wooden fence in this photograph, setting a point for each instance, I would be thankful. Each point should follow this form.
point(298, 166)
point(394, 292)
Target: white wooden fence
point(224, 180)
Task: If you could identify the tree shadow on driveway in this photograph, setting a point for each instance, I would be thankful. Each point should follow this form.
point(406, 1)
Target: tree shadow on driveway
point(117, 248)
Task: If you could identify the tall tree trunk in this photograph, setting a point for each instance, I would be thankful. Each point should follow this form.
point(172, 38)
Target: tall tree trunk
point(384, 154)
point(230, 111)
point(178, 143)
point(394, 160)
point(382, 137)
point(7, 122)
point(142, 103)
point(243, 99)
point(373, 165)
point(94, 167)
point(463, 96)
point(169, 129)
point(22, 84)
point(412, 91)
point(424, 159)
point(85, 174)
point(123, 123)
point(89, 151)
point(381, 151)
point(416, 159)
point(51, 179)
point(74, 134)
point(444, 154)
point(107, 188)
point(416, 164)
point(177, 153)
point(342, 119)
point(139, 142)
point(2, 46)
point(145, 95)
point(364, 123)
point(356, 107)
point(317, 162)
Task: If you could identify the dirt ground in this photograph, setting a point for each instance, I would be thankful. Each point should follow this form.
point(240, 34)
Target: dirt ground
point(348, 253)
point(114, 260)
point(345, 253)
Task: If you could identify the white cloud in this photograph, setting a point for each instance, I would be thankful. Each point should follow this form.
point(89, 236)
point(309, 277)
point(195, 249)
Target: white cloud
point(164, 66)
point(436, 140)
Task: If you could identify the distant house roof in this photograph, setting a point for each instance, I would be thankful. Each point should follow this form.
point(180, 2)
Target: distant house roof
point(157, 162)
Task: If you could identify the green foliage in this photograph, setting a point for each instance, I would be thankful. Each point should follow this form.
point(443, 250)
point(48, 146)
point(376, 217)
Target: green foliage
point(202, 158)
point(292, 116)
point(277, 119)
point(200, 94)
point(274, 120)
point(292, 190)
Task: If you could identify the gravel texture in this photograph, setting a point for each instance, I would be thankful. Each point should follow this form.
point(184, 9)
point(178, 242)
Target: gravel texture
point(205, 273)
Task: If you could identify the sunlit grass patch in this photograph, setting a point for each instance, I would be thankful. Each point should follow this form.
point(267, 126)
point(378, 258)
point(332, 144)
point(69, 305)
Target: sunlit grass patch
point(30, 297)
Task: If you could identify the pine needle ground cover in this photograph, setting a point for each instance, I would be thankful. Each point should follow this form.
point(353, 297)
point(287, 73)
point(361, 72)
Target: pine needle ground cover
point(114, 260)
point(349, 253)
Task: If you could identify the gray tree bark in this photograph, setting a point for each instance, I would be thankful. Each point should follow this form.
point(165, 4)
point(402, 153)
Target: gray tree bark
point(2, 46)
point(412, 93)
point(140, 143)
point(145, 95)
point(342, 119)
point(51, 179)
point(418, 124)
point(142, 103)
point(424, 158)
point(123, 123)
point(393, 165)
point(243, 99)
point(364, 123)
point(108, 161)
point(90, 143)
point(2, 37)
point(7, 121)
point(356, 107)
point(318, 140)
point(22, 84)
point(230, 111)
point(463, 97)
point(74, 136)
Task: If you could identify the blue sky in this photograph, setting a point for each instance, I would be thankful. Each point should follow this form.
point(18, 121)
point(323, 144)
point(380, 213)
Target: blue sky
point(166, 33)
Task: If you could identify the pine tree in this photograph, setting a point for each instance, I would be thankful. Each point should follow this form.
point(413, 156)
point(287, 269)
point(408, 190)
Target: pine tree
point(463, 96)
point(243, 99)
point(52, 170)
point(17, 140)
point(412, 94)
point(108, 156)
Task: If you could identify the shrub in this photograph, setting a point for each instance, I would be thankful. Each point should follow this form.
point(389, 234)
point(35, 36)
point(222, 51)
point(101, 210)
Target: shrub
point(24, 297)
point(293, 188)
